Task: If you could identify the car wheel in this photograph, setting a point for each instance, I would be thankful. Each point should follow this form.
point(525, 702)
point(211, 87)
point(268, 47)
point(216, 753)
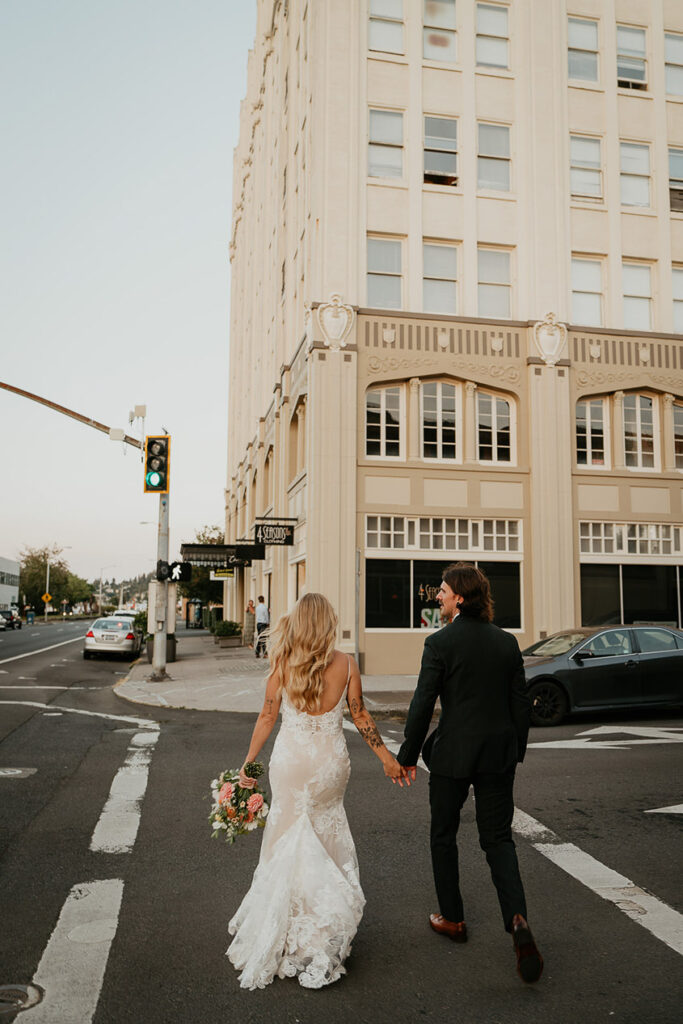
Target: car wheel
point(549, 704)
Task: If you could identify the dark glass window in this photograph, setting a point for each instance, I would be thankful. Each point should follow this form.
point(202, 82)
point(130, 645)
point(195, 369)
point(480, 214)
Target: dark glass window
point(650, 593)
point(387, 593)
point(505, 588)
point(600, 601)
point(426, 582)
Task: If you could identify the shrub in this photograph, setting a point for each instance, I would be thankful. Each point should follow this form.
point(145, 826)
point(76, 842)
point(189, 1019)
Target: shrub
point(228, 628)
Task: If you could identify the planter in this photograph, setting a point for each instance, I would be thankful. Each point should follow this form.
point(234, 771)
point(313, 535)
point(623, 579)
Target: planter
point(229, 641)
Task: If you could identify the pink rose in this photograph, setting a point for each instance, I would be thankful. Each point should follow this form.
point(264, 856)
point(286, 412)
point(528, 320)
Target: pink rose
point(225, 793)
point(255, 803)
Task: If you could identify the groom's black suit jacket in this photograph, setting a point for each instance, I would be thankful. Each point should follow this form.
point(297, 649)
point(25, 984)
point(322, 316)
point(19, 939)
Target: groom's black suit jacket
point(477, 671)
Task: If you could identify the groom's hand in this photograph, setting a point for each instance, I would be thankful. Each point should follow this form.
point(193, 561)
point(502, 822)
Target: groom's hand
point(409, 773)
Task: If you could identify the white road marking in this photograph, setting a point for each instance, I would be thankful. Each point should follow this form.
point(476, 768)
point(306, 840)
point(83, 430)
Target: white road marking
point(72, 966)
point(119, 821)
point(642, 734)
point(15, 686)
point(17, 773)
point(41, 650)
point(658, 917)
point(673, 809)
point(29, 678)
point(34, 634)
point(144, 722)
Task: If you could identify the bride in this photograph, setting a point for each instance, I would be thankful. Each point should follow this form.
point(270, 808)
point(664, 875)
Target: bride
point(305, 902)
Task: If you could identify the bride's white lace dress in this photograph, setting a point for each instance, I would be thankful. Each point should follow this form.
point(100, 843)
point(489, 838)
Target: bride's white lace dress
point(305, 901)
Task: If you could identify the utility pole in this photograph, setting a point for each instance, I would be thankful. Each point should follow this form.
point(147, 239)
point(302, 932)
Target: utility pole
point(161, 598)
point(47, 585)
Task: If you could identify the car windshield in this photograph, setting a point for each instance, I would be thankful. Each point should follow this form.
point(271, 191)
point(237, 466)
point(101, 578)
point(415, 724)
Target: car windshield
point(113, 624)
point(555, 645)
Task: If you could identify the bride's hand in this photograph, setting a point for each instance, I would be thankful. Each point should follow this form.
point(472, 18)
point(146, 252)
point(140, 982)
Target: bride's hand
point(394, 771)
point(246, 782)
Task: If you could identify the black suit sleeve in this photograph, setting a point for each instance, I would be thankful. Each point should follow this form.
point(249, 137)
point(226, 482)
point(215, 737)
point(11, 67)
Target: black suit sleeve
point(520, 705)
point(421, 706)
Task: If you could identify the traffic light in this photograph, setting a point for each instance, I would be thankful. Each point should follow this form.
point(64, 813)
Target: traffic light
point(163, 571)
point(157, 460)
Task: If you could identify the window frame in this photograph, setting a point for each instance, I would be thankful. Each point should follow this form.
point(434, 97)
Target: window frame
point(386, 19)
point(574, 165)
point(501, 159)
point(383, 389)
point(630, 83)
point(446, 30)
point(391, 146)
point(578, 49)
point(678, 448)
point(676, 273)
point(638, 467)
point(383, 273)
point(631, 295)
point(509, 285)
point(575, 258)
point(454, 247)
point(671, 63)
point(675, 183)
point(626, 175)
point(496, 396)
point(444, 183)
point(487, 35)
point(590, 464)
point(458, 424)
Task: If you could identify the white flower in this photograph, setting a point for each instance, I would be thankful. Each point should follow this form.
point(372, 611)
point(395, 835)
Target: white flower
point(214, 784)
point(223, 825)
point(217, 825)
point(264, 811)
point(251, 826)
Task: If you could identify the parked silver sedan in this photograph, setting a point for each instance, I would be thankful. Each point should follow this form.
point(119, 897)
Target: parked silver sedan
point(112, 636)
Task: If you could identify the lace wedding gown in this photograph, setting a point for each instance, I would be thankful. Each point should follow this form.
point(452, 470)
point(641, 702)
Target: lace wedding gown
point(305, 901)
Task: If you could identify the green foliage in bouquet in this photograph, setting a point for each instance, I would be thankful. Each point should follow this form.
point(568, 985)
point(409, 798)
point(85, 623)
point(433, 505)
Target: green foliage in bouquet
point(236, 810)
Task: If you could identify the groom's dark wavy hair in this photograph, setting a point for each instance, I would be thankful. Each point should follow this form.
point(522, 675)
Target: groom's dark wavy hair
point(474, 588)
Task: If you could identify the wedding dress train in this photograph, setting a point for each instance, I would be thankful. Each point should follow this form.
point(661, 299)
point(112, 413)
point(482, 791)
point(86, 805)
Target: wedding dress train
point(305, 901)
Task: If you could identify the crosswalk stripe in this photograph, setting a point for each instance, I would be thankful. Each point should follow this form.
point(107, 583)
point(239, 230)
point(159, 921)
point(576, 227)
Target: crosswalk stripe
point(119, 821)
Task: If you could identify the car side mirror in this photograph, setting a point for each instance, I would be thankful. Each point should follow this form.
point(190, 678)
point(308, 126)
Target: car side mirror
point(580, 655)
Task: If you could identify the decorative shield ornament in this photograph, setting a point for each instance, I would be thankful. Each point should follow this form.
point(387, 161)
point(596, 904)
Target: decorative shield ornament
point(550, 338)
point(336, 320)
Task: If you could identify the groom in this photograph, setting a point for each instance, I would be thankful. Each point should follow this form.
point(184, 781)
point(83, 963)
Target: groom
point(476, 669)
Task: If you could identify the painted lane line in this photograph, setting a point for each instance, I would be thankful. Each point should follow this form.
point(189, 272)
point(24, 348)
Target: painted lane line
point(146, 723)
point(15, 686)
point(41, 650)
point(71, 969)
point(665, 923)
point(672, 809)
point(17, 773)
point(118, 825)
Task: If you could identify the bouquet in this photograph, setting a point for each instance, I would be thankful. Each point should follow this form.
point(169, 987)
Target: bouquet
point(236, 810)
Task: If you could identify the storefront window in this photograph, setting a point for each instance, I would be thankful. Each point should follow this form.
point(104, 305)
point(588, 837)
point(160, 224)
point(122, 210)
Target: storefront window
point(387, 593)
point(650, 593)
point(600, 600)
point(505, 590)
point(426, 582)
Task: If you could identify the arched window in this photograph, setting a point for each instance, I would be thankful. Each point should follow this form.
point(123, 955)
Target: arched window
point(494, 428)
point(591, 426)
point(383, 422)
point(267, 479)
point(639, 431)
point(440, 402)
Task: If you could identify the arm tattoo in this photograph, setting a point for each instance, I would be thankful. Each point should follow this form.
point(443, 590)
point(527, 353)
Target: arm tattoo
point(268, 705)
point(356, 707)
point(370, 733)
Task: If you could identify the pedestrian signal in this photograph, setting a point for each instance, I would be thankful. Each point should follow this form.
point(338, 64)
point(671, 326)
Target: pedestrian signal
point(157, 456)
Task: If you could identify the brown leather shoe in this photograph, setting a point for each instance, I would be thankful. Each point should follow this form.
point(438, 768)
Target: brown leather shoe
point(455, 930)
point(529, 960)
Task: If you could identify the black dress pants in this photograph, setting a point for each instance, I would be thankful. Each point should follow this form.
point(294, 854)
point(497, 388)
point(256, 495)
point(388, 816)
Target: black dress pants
point(494, 811)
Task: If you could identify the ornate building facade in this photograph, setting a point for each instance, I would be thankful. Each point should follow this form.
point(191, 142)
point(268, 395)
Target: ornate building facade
point(457, 312)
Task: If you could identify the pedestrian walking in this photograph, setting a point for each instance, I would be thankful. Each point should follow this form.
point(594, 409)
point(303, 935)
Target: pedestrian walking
point(249, 623)
point(476, 670)
point(262, 617)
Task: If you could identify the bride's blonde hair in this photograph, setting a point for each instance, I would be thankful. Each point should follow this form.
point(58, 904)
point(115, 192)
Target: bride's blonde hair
point(302, 645)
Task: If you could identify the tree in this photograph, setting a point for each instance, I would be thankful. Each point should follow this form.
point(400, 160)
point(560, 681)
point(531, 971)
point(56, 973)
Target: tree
point(201, 587)
point(33, 575)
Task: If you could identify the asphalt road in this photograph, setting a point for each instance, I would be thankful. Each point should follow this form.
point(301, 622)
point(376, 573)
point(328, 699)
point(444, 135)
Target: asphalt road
point(152, 951)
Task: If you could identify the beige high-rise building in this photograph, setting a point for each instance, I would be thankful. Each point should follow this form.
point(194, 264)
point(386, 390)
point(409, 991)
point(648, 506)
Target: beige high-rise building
point(457, 312)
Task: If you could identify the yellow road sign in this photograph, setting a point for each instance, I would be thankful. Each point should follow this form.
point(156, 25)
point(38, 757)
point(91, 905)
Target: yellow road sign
point(46, 598)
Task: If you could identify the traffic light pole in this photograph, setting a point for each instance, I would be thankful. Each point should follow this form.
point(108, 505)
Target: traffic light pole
point(161, 609)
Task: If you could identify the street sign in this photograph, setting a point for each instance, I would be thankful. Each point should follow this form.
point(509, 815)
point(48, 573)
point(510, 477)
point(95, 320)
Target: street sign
point(274, 533)
point(251, 552)
point(46, 598)
point(181, 572)
point(222, 574)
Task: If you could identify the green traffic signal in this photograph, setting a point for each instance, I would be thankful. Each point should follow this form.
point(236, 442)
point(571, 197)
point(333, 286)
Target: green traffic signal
point(157, 452)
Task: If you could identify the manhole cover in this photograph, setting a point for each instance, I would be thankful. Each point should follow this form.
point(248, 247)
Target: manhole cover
point(19, 997)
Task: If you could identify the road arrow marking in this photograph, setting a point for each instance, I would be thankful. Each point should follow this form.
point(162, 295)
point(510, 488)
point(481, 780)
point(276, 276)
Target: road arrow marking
point(641, 734)
point(674, 809)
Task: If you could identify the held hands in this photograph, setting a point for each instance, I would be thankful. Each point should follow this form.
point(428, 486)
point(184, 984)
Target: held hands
point(397, 773)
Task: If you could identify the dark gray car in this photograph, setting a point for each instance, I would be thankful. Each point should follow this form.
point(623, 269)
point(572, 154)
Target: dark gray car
point(608, 667)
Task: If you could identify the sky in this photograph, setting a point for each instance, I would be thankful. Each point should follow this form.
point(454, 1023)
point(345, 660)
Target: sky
point(118, 120)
